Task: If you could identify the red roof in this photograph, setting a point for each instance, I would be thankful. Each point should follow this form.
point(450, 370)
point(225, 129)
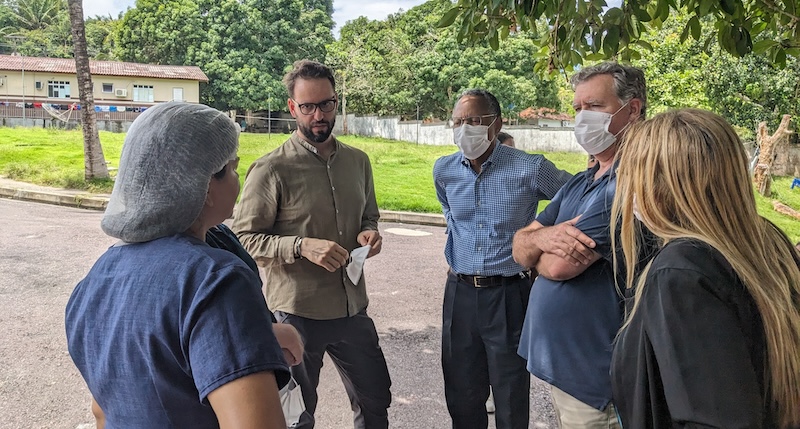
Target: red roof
point(106, 68)
point(544, 113)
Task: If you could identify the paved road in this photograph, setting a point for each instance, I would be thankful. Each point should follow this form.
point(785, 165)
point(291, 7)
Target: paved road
point(47, 249)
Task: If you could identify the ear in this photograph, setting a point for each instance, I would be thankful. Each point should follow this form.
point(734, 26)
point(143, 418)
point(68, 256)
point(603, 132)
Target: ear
point(498, 124)
point(292, 107)
point(634, 109)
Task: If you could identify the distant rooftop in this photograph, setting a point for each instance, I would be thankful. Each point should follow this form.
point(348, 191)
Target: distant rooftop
point(101, 68)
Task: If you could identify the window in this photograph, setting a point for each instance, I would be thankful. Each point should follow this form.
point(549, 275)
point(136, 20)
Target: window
point(108, 87)
point(143, 93)
point(177, 94)
point(57, 89)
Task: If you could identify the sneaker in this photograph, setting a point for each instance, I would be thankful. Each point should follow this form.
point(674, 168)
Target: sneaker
point(490, 403)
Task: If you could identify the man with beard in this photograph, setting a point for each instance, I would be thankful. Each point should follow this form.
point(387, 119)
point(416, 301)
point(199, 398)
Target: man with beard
point(305, 206)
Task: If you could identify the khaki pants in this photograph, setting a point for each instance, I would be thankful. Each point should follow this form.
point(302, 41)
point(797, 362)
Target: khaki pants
point(574, 414)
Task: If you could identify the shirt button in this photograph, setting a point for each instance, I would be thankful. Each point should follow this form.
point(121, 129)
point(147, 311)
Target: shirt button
point(480, 225)
point(478, 272)
point(333, 188)
point(340, 232)
point(337, 210)
point(479, 247)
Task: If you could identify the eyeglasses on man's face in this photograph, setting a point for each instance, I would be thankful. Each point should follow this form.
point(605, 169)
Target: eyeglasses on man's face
point(326, 106)
point(469, 120)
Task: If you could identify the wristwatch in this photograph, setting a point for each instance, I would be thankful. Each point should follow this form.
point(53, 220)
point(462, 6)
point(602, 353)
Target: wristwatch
point(297, 242)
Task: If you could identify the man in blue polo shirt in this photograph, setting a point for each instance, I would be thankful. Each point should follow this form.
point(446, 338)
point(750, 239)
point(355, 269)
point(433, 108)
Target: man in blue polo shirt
point(574, 310)
point(488, 191)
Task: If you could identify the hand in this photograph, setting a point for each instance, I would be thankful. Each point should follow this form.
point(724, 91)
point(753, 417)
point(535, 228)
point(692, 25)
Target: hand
point(290, 341)
point(566, 241)
point(326, 254)
point(373, 238)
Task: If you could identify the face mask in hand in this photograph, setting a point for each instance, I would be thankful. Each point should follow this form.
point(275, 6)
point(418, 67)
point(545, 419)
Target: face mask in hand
point(472, 140)
point(591, 130)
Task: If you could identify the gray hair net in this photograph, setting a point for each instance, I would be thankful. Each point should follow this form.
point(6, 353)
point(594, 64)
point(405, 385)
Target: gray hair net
point(168, 158)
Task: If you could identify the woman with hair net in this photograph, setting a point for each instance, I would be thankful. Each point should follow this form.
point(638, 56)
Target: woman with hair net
point(166, 330)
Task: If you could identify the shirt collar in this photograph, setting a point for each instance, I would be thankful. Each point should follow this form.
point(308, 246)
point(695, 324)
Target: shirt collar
point(610, 174)
point(309, 146)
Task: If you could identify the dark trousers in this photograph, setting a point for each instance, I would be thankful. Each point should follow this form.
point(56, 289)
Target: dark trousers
point(480, 335)
point(352, 344)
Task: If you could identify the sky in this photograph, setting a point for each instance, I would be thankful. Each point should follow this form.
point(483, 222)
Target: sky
point(343, 10)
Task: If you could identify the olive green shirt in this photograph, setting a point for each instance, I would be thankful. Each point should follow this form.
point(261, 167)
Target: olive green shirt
point(293, 192)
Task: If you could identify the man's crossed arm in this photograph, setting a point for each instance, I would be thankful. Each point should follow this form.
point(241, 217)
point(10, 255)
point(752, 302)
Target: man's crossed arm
point(559, 252)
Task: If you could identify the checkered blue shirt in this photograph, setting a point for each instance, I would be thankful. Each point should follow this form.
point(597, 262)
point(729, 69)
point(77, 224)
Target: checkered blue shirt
point(483, 211)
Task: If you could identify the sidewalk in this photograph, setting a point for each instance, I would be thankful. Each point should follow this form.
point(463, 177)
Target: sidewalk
point(85, 200)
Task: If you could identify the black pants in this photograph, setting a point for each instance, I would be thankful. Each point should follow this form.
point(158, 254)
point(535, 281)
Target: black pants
point(352, 344)
point(480, 335)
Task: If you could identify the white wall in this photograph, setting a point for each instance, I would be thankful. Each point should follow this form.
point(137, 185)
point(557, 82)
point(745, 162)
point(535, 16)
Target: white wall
point(527, 137)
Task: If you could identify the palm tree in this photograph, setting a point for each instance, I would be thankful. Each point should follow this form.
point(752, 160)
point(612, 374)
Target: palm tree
point(36, 14)
point(93, 160)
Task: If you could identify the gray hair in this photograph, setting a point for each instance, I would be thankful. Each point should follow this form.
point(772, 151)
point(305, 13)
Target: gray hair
point(488, 99)
point(168, 157)
point(629, 81)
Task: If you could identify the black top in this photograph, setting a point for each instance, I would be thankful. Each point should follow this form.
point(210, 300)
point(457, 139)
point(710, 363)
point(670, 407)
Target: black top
point(694, 354)
point(222, 237)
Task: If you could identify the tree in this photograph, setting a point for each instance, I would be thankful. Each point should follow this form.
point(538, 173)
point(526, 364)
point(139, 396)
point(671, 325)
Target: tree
point(749, 90)
point(405, 64)
point(590, 30)
point(243, 46)
point(36, 14)
point(101, 37)
point(94, 162)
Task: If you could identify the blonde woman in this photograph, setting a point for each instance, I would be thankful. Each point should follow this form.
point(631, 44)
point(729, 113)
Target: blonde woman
point(713, 335)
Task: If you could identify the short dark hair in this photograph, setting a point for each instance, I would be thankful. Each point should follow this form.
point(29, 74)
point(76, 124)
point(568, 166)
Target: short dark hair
point(488, 98)
point(307, 69)
point(501, 137)
point(629, 81)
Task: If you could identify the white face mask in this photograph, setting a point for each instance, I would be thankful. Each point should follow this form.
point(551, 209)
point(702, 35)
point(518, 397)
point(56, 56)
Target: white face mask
point(472, 140)
point(591, 130)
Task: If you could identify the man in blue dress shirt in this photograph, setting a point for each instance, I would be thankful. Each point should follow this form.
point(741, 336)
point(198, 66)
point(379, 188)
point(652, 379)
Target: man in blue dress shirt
point(575, 311)
point(488, 191)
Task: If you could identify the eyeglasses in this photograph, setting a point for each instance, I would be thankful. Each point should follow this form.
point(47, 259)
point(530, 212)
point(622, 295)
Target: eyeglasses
point(469, 120)
point(309, 108)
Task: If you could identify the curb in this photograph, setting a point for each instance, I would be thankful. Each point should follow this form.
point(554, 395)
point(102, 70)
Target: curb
point(94, 202)
point(83, 201)
point(430, 219)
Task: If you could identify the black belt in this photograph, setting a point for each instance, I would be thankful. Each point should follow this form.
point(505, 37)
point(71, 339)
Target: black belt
point(490, 281)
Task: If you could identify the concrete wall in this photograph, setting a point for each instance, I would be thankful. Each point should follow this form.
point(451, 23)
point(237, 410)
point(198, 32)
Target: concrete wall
point(527, 137)
point(787, 163)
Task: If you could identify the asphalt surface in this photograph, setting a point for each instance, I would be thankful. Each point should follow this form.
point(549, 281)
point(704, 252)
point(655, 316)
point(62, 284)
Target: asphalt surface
point(47, 249)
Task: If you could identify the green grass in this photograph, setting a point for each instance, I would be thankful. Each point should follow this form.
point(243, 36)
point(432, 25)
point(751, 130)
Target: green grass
point(402, 171)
